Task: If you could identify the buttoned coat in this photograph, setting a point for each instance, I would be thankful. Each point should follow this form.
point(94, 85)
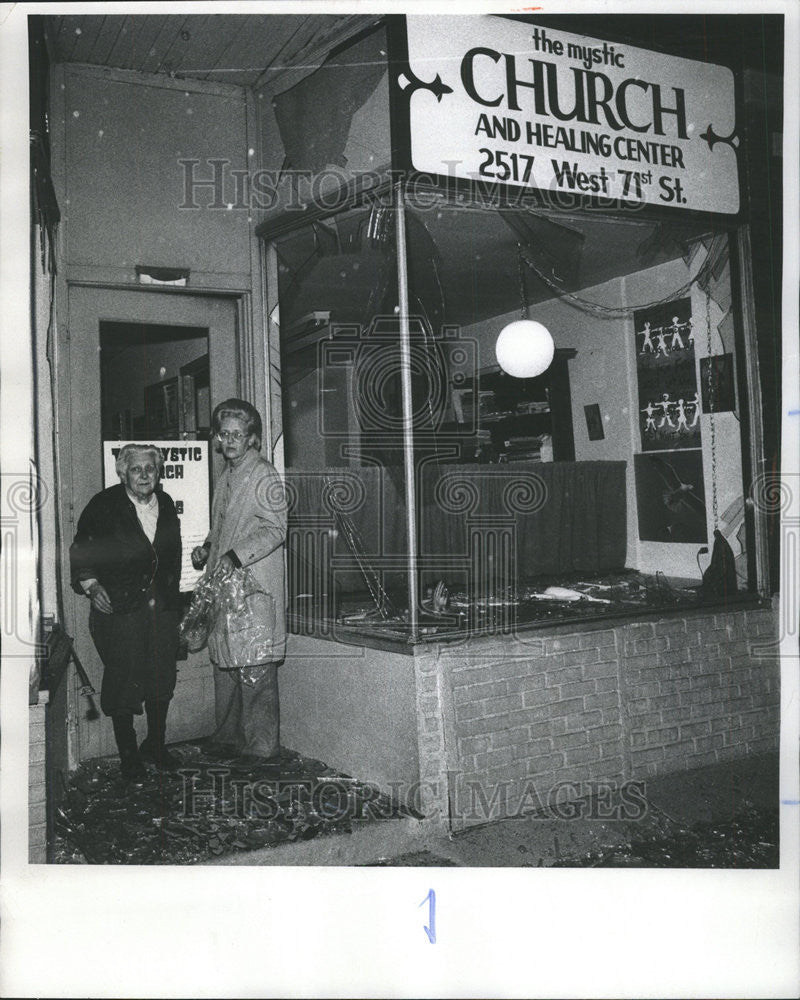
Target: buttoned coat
point(248, 517)
point(110, 546)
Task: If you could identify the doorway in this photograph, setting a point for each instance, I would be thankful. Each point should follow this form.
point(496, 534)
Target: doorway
point(136, 365)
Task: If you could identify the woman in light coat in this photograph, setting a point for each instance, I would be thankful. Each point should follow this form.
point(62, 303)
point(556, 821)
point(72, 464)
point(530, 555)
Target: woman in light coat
point(248, 529)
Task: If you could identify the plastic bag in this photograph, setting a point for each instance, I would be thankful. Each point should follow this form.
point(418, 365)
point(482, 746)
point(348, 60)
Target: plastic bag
point(199, 620)
point(244, 633)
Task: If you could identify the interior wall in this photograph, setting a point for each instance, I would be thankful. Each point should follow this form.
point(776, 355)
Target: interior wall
point(656, 283)
point(126, 375)
point(304, 445)
point(120, 137)
point(604, 372)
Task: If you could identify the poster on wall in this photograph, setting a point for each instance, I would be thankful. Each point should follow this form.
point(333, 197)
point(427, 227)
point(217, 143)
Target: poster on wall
point(670, 497)
point(186, 480)
point(669, 403)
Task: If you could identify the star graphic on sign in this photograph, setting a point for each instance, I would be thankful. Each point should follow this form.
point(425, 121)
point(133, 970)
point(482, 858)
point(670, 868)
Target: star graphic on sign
point(409, 82)
point(712, 138)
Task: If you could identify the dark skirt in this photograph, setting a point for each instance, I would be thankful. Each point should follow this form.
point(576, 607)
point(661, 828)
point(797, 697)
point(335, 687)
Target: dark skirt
point(138, 650)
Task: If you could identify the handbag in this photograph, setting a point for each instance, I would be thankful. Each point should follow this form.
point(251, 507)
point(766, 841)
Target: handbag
point(201, 616)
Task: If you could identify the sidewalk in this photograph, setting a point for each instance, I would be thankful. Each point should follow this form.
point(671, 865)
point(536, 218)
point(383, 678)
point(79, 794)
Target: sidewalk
point(724, 815)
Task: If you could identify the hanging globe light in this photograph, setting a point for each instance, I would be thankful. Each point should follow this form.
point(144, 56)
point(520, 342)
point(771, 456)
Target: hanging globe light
point(524, 348)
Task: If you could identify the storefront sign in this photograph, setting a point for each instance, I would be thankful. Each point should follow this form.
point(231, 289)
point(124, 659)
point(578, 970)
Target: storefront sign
point(185, 479)
point(499, 101)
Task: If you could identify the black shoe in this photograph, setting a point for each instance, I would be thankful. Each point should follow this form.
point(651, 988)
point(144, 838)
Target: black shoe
point(215, 748)
point(132, 770)
point(159, 756)
point(255, 759)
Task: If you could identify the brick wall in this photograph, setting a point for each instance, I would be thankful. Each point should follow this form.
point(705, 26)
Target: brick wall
point(37, 783)
point(693, 694)
point(511, 719)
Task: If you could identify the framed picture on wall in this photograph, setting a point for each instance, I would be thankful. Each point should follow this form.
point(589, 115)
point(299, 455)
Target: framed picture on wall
point(670, 496)
point(161, 409)
point(669, 403)
point(594, 422)
point(196, 397)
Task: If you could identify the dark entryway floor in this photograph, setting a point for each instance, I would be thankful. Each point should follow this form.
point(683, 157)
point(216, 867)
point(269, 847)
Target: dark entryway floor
point(212, 806)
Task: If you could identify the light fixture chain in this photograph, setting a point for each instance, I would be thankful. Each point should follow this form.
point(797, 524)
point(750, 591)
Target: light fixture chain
point(523, 292)
point(711, 407)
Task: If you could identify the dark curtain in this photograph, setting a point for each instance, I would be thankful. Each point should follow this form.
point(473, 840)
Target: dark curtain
point(569, 517)
point(369, 504)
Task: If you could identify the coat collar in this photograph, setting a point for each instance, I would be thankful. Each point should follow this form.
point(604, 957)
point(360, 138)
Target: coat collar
point(119, 496)
point(244, 468)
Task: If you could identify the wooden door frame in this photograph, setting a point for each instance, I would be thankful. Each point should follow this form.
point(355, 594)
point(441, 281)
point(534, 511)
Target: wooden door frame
point(249, 383)
point(755, 475)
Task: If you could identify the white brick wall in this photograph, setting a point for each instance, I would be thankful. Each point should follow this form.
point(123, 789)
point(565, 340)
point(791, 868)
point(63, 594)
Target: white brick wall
point(631, 701)
point(37, 783)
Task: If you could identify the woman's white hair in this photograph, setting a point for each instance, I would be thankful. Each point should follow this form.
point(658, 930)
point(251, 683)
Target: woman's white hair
point(127, 452)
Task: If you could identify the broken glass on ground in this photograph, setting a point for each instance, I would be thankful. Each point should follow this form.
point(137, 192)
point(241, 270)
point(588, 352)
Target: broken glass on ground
point(212, 805)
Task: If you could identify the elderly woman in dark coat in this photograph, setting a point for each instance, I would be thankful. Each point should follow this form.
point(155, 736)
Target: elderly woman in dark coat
point(126, 558)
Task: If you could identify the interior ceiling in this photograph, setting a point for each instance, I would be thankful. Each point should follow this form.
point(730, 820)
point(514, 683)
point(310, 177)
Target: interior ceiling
point(241, 49)
point(116, 336)
point(477, 262)
point(480, 269)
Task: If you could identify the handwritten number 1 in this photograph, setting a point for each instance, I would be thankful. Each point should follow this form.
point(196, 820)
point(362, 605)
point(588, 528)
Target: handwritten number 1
point(430, 930)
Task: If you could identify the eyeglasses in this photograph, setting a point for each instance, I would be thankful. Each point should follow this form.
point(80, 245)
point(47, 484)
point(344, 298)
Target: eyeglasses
point(148, 470)
point(230, 435)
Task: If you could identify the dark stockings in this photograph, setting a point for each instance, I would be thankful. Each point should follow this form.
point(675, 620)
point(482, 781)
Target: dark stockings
point(153, 748)
point(125, 735)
